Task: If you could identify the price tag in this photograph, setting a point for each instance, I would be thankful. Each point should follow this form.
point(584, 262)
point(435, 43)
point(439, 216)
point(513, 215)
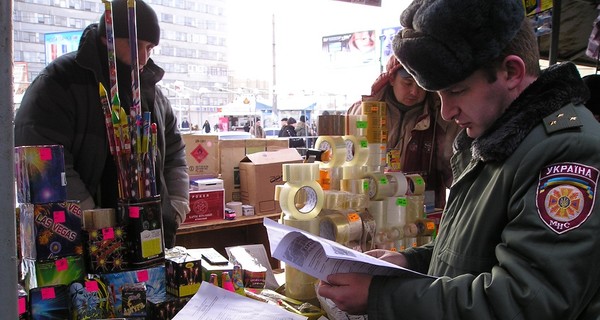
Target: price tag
point(91, 286)
point(59, 216)
point(108, 233)
point(48, 293)
point(62, 264)
point(134, 212)
point(45, 154)
point(142, 275)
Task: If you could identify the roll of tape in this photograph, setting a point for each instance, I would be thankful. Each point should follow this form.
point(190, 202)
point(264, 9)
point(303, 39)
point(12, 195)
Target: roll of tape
point(379, 186)
point(335, 227)
point(352, 172)
point(357, 150)
point(278, 188)
point(311, 226)
point(398, 180)
point(336, 146)
point(415, 208)
point(334, 200)
point(302, 201)
point(235, 206)
point(396, 211)
point(357, 125)
point(358, 201)
point(298, 172)
point(377, 210)
point(356, 186)
point(416, 184)
point(367, 240)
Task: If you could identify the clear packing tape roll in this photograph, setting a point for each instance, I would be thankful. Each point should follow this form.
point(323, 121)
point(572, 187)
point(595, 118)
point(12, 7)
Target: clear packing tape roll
point(379, 186)
point(335, 148)
point(357, 150)
point(300, 199)
point(344, 227)
point(416, 184)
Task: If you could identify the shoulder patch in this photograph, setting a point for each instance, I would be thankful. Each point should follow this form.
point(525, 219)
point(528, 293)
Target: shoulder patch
point(566, 195)
point(562, 119)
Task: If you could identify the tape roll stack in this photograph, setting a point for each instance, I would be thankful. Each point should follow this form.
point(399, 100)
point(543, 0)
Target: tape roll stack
point(376, 112)
point(301, 197)
point(357, 150)
point(332, 125)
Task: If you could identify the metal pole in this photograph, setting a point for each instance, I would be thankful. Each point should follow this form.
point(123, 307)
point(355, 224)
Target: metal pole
point(556, 11)
point(8, 265)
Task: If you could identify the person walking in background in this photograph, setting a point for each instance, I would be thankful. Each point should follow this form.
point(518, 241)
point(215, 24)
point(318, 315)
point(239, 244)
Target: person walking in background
point(519, 235)
point(62, 106)
point(284, 123)
point(257, 130)
point(415, 127)
point(206, 126)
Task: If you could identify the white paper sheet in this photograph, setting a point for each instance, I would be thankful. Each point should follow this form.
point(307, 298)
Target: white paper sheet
point(214, 303)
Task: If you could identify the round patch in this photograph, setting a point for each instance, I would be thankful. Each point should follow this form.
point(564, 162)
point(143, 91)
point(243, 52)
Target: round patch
point(564, 203)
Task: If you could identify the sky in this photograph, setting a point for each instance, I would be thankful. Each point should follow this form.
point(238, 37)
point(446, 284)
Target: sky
point(299, 28)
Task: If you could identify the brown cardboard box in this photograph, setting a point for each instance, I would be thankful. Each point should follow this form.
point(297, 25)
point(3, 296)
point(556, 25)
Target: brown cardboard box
point(231, 152)
point(202, 155)
point(259, 174)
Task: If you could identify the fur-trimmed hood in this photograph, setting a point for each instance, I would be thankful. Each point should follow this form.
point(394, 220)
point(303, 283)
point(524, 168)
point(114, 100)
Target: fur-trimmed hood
point(557, 86)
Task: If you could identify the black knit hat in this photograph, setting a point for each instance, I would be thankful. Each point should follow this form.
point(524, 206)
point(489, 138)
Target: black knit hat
point(593, 84)
point(444, 41)
point(147, 21)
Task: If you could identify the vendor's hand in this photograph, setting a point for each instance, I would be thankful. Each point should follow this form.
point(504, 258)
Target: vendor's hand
point(394, 257)
point(349, 291)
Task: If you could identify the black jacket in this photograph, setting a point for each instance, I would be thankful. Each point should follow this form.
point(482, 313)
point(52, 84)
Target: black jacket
point(62, 106)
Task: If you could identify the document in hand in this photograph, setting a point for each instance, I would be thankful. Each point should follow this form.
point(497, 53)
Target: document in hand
point(320, 257)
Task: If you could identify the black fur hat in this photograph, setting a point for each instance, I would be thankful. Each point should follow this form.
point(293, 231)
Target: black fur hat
point(445, 41)
point(146, 19)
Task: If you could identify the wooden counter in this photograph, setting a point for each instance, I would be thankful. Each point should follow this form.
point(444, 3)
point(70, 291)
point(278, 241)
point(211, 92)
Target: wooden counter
point(220, 234)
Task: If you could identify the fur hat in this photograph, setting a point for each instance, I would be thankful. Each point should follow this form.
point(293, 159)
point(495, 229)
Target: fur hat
point(147, 21)
point(444, 41)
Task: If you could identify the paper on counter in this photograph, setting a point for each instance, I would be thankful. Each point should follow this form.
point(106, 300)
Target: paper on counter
point(212, 302)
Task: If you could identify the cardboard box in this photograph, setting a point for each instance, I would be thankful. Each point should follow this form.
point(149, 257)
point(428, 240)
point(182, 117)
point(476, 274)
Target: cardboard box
point(231, 152)
point(206, 205)
point(57, 230)
point(259, 174)
point(202, 155)
point(207, 268)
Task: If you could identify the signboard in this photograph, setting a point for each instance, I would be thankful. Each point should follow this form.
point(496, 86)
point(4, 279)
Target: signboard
point(350, 49)
point(386, 37)
point(59, 43)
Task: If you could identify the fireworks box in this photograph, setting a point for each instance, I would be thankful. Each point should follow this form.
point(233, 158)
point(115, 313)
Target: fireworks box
point(40, 174)
point(184, 274)
point(105, 250)
point(124, 287)
point(207, 267)
point(49, 302)
point(90, 300)
point(165, 307)
point(144, 234)
point(57, 230)
point(60, 271)
point(22, 303)
point(206, 205)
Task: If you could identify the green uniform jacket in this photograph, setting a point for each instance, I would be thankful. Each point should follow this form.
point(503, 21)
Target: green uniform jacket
point(520, 234)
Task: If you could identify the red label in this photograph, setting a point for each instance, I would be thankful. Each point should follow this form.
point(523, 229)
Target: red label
point(91, 286)
point(61, 264)
point(45, 154)
point(199, 153)
point(59, 216)
point(142, 275)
